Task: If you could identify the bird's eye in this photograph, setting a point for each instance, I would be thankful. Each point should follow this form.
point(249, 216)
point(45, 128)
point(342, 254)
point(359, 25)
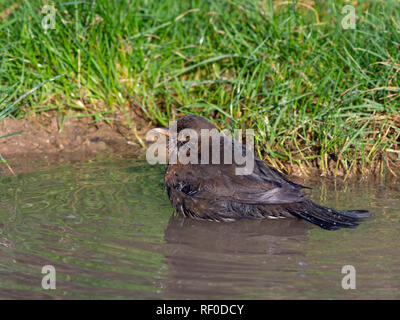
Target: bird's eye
point(183, 138)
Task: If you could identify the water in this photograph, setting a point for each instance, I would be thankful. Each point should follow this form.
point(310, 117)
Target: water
point(108, 230)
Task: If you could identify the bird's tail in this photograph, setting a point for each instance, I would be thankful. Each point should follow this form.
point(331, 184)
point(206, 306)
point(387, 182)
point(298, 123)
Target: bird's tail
point(327, 218)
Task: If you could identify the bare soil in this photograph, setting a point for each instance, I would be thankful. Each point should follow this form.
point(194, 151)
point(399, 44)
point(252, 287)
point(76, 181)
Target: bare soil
point(44, 139)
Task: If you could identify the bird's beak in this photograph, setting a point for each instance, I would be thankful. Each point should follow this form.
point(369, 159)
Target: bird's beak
point(156, 133)
point(163, 131)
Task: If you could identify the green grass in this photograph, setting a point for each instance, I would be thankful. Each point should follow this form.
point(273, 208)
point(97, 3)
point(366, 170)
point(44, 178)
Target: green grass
point(316, 94)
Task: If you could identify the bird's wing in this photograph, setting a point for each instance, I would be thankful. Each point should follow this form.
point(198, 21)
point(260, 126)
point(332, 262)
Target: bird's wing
point(264, 185)
point(269, 172)
point(220, 182)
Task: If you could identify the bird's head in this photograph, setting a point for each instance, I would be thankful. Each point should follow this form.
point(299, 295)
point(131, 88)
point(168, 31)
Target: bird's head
point(188, 122)
point(194, 140)
point(186, 136)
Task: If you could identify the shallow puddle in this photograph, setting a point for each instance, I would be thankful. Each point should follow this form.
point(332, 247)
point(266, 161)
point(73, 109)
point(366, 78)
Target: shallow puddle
point(108, 230)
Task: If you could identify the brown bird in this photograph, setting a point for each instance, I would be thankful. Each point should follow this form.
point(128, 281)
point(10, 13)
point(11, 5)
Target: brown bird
point(216, 192)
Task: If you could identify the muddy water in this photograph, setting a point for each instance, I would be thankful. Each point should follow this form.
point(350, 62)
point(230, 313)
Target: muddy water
point(107, 229)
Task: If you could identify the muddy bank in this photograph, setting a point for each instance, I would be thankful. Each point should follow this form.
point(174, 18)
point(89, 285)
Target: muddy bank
point(45, 140)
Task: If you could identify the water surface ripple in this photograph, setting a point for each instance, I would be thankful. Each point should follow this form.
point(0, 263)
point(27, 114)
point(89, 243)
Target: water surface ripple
point(108, 230)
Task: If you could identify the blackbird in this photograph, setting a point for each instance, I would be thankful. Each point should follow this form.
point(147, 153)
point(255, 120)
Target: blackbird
point(216, 192)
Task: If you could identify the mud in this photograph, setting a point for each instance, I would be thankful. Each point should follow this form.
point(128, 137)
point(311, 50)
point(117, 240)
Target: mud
point(45, 140)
